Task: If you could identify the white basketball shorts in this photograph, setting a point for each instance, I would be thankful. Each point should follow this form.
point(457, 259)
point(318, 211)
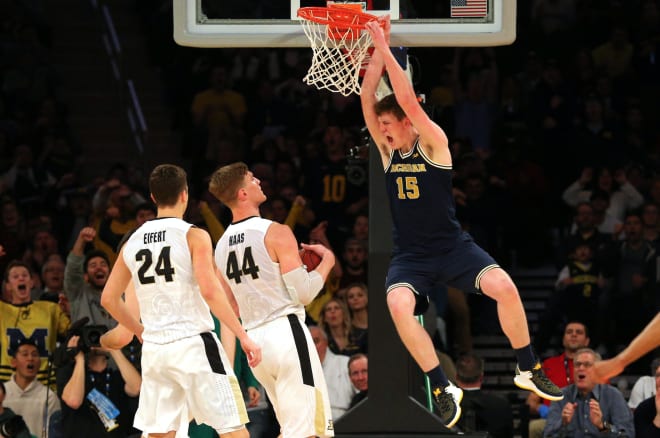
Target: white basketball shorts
point(291, 373)
point(189, 377)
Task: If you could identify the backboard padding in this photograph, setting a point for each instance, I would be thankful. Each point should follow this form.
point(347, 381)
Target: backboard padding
point(192, 28)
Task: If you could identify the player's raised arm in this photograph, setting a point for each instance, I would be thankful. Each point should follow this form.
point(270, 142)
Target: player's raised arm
point(645, 341)
point(201, 251)
point(372, 77)
point(431, 135)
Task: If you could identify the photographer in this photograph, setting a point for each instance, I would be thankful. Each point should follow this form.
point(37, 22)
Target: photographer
point(11, 425)
point(95, 397)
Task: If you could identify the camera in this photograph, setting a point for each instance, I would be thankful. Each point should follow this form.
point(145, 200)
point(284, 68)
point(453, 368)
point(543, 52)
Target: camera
point(13, 426)
point(356, 160)
point(90, 336)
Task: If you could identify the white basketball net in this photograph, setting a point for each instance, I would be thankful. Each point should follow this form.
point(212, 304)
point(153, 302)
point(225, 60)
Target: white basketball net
point(338, 56)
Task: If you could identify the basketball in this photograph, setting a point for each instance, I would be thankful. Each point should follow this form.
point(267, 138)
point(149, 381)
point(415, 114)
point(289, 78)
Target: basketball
point(310, 259)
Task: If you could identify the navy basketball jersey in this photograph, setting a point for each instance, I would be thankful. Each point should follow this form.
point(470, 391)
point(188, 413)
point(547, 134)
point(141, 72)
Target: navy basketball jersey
point(421, 202)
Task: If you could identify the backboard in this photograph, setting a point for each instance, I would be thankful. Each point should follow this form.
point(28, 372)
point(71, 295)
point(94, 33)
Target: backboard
point(273, 23)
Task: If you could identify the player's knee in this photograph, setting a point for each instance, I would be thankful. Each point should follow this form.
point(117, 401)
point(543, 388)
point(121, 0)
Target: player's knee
point(500, 287)
point(401, 302)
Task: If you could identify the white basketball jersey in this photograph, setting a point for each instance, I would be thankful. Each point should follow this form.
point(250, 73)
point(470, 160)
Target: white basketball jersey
point(256, 281)
point(171, 305)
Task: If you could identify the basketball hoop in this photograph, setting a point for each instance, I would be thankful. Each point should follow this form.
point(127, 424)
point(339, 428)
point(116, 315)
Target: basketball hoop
point(339, 45)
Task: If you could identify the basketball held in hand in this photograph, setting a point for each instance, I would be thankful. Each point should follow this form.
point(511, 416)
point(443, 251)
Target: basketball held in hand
point(310, 259)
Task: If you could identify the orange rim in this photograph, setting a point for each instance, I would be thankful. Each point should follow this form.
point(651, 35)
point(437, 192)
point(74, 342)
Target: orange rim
point(336, 17)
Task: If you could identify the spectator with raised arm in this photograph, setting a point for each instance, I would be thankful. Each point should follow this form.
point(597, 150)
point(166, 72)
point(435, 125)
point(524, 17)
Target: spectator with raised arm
point(623, 195)
point(85, 276)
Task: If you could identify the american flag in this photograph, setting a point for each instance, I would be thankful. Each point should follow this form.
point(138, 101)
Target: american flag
point(469, 8)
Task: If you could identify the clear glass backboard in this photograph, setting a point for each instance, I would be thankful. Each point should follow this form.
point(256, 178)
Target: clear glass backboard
point(273, 23)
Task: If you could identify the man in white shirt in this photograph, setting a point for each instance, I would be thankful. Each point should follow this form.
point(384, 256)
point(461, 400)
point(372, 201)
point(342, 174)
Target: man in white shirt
point(28, 397)
point(644, 387)
point(335, 370)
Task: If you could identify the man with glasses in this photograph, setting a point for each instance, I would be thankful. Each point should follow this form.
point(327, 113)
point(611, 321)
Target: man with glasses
point(559, 369)
point(589, 409)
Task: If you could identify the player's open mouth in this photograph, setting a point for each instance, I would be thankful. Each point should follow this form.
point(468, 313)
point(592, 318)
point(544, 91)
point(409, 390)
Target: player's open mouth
point(390, 140)
point(22, 287)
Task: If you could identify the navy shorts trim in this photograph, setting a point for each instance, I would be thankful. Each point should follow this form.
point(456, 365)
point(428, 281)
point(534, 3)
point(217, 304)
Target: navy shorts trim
point(461, 266)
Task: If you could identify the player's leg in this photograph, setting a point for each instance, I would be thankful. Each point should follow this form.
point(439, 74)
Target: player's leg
point(401, 302)
point(159, 376)
point(213, 394)
point(497, 284)
point(292, 375)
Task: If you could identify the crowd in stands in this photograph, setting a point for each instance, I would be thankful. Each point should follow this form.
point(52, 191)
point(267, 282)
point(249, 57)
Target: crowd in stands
point(556, 155)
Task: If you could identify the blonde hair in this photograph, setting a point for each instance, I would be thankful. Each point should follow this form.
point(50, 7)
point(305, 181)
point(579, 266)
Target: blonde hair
point(346, 320)
point(226, 180)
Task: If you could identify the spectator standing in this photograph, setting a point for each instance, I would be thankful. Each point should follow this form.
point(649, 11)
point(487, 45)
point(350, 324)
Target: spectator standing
point(115, 217)
point(218, 115)
point(52, 277)
point(623, 195)
point(13, 234)
point(334, 197)
point(577, 292)
point(585, 230)
point(43, 322)
point(85, 276)
point(632, 291)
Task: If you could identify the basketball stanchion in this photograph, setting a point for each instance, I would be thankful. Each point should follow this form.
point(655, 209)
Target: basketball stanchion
point(340, 45)
point(427, 381)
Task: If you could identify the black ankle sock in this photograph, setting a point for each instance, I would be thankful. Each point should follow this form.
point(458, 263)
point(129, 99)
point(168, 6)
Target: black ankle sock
point(437, 377)
point(526, 358)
